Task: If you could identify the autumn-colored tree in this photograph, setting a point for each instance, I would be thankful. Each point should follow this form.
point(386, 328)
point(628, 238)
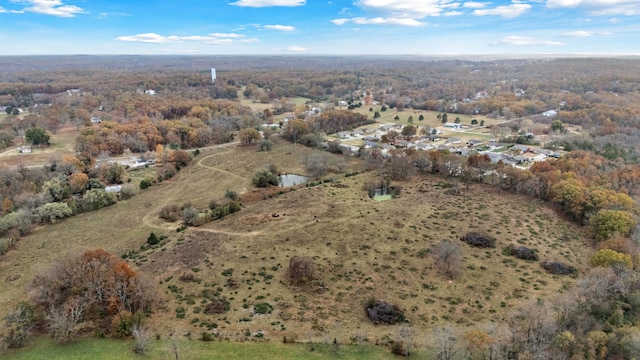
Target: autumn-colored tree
point(608, 257)
point(572, 196)
point(89, 286)
point(608, 223)
point(619, 244)
point(477, 342)
point(248, 135)
point(78, 182)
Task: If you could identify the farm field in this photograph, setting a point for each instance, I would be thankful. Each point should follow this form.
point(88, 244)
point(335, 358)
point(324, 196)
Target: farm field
point(362, 249)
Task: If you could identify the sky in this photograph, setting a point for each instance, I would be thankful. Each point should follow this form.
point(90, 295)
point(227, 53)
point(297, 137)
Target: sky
point(320, 27)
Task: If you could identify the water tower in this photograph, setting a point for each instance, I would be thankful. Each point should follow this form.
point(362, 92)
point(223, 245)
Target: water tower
point(213, 74)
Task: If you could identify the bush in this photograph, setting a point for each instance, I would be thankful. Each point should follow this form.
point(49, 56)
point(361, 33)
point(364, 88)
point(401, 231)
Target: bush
point(448, 258)
point(263, 308)
point(144, 184)
point(608, 257)
point(479, 240)
point(264, 178)
point(301, 270)
point(153, 239)
point(122, 324)
point(231, 195)
point(127, 192)
point(217, 306)
point(381, 312)
point(558, 268)
point(170, 212)
point(521, 252)
point(52, 212)
point(17, 325)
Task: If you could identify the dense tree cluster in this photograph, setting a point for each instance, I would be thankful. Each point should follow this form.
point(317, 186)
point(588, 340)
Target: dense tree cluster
point(87, 291)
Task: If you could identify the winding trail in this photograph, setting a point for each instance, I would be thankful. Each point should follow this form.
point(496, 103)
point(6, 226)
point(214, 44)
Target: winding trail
point(147, 219)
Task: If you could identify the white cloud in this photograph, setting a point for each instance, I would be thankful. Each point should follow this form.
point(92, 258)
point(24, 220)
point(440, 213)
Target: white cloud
point(2, 10)
point(294, 48)
point(453, 13)
point(153, 38)
point(599, 7)
point(506, 11)
point(526, 41)
point(474, 5)
point(380, 21)
point(416, 9)
point(268, 3)
point(340, 21)
point(226, 35)
point(249, 41)
point(580, 33)
point(280, 27)
point(52, 7)
point(106, 15)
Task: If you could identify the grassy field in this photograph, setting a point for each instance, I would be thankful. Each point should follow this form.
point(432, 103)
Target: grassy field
point(362, 249)
point(104, 349)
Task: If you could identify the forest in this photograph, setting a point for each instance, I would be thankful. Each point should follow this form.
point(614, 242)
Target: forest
point(165, 109)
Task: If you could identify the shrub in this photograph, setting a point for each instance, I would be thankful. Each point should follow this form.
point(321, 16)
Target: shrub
point(170, 212)
point(231, 195)
point(52, 212)
point(127, 192)
point(264, 178)
point(558, 268)
point(448, 258)
point(152, 239)
point(17, 325)
point(479, 240)
point(206, 336)
point(521, 252)
point(619, 244)
point(381, 312)
point(144, 184)
point(95, 199)
point(217, 306)
point(301, 270)
point(122, 324)
point(608, 257)
point(263, 308)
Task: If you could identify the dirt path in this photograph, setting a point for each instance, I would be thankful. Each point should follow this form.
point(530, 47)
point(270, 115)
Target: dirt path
point(200, 163)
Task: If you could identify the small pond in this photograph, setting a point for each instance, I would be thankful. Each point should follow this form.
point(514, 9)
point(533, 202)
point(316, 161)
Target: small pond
point(292, 180)
point(383, 193)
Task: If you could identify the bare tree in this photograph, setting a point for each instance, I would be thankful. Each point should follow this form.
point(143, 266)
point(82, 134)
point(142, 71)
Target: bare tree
point(446, 343)
point(317, 164)
point(447, 256)
point(141, 336)
point(301, 269)
point(403, 341)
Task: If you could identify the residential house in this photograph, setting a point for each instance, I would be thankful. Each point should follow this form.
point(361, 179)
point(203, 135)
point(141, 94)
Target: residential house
point(454, 140)
point(453, 126)
point(473, 142)
point(550, 113)
point(521, 148)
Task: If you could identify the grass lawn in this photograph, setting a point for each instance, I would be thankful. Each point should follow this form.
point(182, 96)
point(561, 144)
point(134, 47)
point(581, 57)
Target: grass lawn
point(98, 349)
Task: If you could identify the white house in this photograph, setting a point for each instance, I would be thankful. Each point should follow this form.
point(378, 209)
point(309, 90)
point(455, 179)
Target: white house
point(453, 126)
point(550, 113)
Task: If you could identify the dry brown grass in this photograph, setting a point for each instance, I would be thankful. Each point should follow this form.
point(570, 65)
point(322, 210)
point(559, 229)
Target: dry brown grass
point(358, 246)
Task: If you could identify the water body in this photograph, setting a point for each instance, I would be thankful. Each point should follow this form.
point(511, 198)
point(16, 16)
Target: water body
point(292, 180)
point(383, 194)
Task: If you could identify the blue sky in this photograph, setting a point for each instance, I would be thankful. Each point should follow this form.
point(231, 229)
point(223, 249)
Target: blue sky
point(358, 27)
